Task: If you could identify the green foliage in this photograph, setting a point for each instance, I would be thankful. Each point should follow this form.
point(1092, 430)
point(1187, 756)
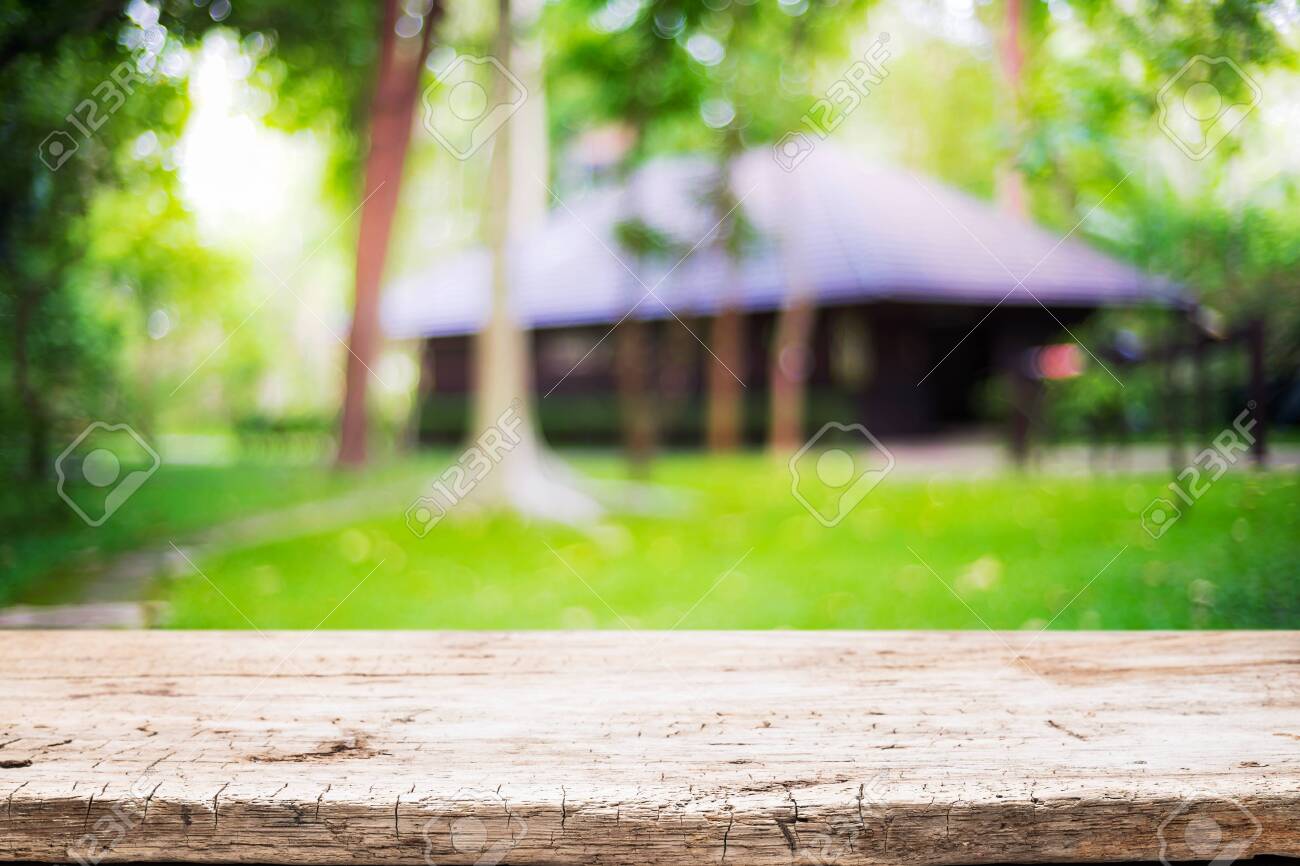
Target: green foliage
point(89, 252)
point(1090, 111)
point(95, 242)
point(1222, 229)
point(319, 65)
point(694, 76)
point(1111, 399)
point(643, 240)
point(1241, 261)
point(61, 68)
point(942, 102)
point(654, 66)
point(620, 69)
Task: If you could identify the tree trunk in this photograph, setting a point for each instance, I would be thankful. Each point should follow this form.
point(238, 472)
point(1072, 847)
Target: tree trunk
point(501, 351)
point(527, 480)
point(677, 366)
point(791, 364)
point(726, 406)
point(634, 351)
point(401, 62)
point(425, 390)
point(1010, 183)
point(791, 358)
point(726, 402)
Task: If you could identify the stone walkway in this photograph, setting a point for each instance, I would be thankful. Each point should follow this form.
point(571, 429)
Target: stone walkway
point(983, 458)
point(107, 614)
point(115, 594)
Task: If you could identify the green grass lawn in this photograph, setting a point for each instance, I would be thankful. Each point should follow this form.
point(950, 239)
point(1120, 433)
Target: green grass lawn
point(46, 552)
point(742, 553)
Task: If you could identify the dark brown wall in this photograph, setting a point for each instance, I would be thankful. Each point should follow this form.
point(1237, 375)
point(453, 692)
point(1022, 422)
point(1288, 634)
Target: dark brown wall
point(928, 370)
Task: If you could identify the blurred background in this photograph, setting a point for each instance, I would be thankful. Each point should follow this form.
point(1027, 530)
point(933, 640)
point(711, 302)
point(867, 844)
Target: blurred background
point(649, 314)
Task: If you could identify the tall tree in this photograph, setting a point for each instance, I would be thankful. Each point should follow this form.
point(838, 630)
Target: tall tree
point(634, 348)
point(68, 95)
point(790, 363)
point(528, 479)
point(599, 50)
point(726, 408)
point(401, 63)
point(1010, 182)
point(817, 34)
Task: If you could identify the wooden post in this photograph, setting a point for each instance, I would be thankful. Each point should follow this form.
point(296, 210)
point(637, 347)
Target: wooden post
point(1011, 358)
point(425, 388)
point(677, 365)
point(1021, 389)
point(634, 350)
point(791, 364)
point(725, 412)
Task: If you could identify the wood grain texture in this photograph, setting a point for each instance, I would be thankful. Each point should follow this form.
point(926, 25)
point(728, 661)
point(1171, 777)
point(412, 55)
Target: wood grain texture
point(648, 748)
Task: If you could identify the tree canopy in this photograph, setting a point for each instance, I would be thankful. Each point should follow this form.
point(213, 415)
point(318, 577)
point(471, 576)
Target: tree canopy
point(102, 254)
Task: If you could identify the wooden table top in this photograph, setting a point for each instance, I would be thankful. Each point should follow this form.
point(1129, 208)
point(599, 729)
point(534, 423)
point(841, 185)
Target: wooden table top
point(649, 748)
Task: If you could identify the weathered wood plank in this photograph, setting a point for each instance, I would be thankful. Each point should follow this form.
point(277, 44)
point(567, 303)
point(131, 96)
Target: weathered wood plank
point(685, 748)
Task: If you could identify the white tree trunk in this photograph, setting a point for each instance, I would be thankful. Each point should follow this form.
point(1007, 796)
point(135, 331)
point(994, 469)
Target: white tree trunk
point(527, 479)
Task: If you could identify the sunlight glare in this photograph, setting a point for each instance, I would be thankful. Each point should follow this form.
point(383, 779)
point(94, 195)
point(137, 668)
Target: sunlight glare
point(240, 177)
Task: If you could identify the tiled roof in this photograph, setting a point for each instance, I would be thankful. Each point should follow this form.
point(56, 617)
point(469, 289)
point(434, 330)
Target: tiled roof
point(845, 230)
